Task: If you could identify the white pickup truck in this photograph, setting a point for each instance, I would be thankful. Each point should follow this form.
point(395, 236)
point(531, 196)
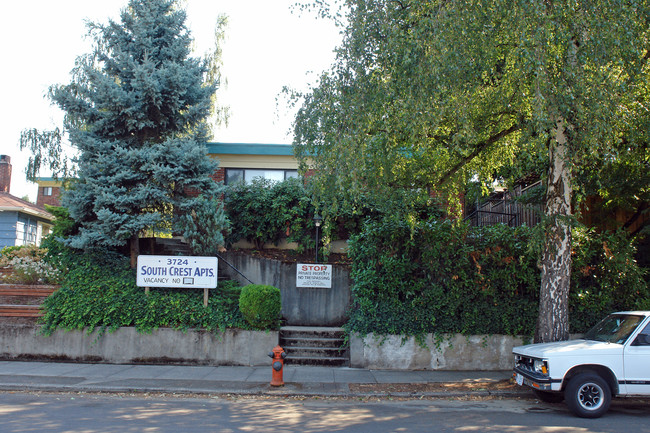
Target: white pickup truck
point(612, 359)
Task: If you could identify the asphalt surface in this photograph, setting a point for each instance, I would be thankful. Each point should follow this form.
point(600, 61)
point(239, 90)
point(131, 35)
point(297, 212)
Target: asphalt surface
point(298, 380)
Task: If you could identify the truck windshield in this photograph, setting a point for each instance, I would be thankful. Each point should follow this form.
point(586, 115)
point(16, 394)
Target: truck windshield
point(615, 328)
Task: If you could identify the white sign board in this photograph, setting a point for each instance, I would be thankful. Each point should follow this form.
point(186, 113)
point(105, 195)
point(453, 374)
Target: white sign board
point(177, 271)
point(310, 275)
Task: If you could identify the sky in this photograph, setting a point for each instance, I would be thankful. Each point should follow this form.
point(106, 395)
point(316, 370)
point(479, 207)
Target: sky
point(268, 45)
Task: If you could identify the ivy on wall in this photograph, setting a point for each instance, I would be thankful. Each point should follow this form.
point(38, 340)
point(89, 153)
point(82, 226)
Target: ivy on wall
point(444, 277)
point(98, 291)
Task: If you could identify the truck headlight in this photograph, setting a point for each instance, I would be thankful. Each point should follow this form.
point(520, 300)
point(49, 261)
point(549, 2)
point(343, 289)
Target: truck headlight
point(540, 366)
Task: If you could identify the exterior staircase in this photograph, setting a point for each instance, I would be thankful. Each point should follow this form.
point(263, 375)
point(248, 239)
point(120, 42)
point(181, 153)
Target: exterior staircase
point(307, 345)
point(173, 247)
point(21, 304)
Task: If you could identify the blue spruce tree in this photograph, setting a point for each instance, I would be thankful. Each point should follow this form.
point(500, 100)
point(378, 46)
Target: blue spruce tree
point(136, 110)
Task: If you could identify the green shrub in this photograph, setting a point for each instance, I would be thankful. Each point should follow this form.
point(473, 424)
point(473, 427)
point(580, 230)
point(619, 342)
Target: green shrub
point(605, 277)
point(441, 277)
point(265, 211)
point(64, 225)
point(260, 305)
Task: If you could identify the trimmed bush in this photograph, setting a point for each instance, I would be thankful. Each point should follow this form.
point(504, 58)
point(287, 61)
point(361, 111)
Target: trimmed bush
point(260, 305)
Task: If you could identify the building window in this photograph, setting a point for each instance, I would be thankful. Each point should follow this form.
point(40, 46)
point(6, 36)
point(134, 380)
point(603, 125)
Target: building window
point(234, 175)
point(47, 190)
point(26, 231)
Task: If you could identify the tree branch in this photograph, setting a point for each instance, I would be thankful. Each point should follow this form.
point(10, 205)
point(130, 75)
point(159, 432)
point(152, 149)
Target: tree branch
point(643, 207)
point(480, 147)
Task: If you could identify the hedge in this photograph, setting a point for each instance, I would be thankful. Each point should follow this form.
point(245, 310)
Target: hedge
point(445, 277)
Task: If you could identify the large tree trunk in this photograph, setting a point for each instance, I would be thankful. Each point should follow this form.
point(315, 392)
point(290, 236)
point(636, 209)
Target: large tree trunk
point(134, 244)
point(553, 319)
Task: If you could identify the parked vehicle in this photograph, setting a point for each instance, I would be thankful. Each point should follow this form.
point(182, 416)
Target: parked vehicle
point(612, 359)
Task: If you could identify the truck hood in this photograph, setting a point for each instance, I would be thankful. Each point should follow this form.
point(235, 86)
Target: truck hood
point(567, 348)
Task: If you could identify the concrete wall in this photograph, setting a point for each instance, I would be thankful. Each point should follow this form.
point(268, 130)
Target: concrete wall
point(300, 306)
point(126, 345)
point(455, 352)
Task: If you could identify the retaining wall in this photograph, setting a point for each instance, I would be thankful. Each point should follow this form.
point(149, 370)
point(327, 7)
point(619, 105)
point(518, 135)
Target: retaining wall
point(126, 345)
point(453, 352)
point(250, 348)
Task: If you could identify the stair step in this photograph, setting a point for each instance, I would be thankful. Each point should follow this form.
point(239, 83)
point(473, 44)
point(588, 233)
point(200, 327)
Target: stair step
point(26, 290)
point(311, 345)
point(311, 332)
point(7, 310)
point(314, 351)
point(309, 360)
point(311, 342)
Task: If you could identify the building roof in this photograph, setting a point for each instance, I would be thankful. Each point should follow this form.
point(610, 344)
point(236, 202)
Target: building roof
point(49, 181)
point(215, 148)
point(12, 203)
point(249, 149)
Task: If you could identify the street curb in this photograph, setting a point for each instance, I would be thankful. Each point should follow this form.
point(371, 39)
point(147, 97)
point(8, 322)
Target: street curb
point(257, 390)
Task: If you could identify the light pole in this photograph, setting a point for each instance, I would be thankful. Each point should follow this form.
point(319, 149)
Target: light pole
point(317, 221)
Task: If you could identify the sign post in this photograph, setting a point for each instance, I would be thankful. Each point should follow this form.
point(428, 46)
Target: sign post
point(178, 272)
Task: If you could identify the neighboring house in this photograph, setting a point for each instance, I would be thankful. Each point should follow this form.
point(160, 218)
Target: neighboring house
point(49, 190)
point(237, 161)
point(21, 222)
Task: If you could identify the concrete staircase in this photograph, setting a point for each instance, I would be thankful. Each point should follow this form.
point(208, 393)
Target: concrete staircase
point(307, 345)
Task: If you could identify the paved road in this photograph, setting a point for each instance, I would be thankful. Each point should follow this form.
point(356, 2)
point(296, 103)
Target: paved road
point(123, 413)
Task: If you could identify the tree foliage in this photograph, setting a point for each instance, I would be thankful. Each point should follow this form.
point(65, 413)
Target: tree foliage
point(431, 94)
point(136, 111)
point(201, 222)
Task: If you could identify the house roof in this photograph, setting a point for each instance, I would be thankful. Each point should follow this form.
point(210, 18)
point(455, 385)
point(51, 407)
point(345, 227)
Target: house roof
point(49, 181)
point(10, 203)
point(249, 149)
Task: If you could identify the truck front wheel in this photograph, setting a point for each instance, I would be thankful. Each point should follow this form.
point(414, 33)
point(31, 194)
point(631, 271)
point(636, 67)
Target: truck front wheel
point(587, 395)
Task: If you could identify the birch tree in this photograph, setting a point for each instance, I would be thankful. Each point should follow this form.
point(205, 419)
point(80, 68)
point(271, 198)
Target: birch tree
point(430, 94)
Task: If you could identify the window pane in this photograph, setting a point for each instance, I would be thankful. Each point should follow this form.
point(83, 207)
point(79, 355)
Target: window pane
point(288, 174)
point(275, 175)
point(234, 175)
point(254, 174)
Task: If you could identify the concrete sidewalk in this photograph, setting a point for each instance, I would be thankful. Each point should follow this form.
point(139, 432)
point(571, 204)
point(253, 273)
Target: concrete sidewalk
point(299, 380)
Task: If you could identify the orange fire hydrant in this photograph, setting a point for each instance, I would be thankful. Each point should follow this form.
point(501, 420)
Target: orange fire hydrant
point(278, 356)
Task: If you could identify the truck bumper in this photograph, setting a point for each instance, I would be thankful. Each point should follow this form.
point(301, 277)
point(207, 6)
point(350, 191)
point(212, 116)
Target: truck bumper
point(535, 380)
